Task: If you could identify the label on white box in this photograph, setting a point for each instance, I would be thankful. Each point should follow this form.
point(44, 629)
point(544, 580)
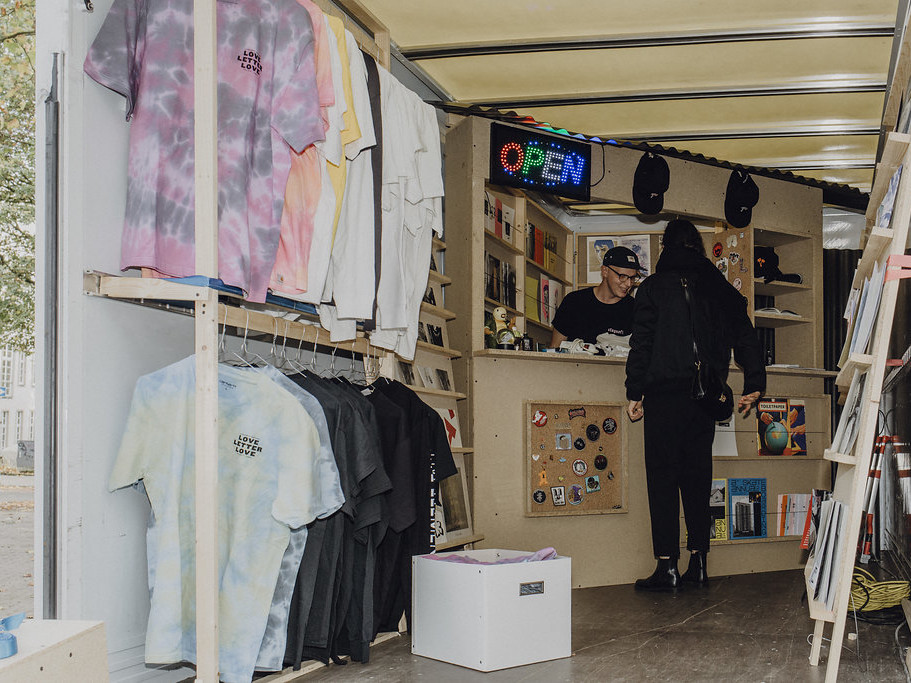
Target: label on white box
point(531, 588)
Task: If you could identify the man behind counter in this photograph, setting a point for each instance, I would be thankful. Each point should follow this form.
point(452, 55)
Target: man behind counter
point(586, 313)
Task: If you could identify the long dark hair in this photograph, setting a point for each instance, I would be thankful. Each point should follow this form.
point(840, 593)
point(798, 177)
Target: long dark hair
point(681, 233)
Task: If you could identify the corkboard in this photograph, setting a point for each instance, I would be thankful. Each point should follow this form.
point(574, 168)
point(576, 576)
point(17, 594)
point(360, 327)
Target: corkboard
point(564, 479)
point(732, 253)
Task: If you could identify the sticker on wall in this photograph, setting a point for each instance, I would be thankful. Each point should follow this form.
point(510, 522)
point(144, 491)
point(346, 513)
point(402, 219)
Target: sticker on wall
point(542, 478)
point(610, 475)
point(558, 495)
point(609, 425)
point(717, 249)
point(539, 419)
point(539, 496)
point(535, 456)
point(562, 460)
point(564, 441)
point(732, 241)
point(561, 478)
point(579, 467)
point(738, 283)
point(579, 444)
point(575, 494)
point(735, 258)
point(576, 412)
point(722, 265)
point(600, 462)
point(592, 432)
point(592, 483)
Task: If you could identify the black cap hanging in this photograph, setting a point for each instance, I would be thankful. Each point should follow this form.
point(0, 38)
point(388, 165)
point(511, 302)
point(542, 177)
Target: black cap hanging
point(739, 199)
point(650, 182)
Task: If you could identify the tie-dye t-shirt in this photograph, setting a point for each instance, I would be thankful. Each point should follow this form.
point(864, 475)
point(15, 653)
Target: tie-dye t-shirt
point(267, 81)
point(272, 476)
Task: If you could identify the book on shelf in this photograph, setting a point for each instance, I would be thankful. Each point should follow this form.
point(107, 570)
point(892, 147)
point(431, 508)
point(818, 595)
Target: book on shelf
point(508, 285)
point(489, 212)
point(718, 529)
point(493, 277)
point(532, 296)
point(781, 426)
point(556, 296)
point(747, 507)
point(530, 240)
point(509, 222)
point(498, 218)
point(544, 300)
point(539, 247)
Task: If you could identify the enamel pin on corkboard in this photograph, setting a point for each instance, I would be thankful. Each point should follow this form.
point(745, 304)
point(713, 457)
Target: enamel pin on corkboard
point(575, 458)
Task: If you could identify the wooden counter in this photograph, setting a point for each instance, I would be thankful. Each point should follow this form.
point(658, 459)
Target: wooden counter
point(616, 548)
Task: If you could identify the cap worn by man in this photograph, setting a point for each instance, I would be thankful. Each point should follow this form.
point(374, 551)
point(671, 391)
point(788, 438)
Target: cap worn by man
point(621, 257)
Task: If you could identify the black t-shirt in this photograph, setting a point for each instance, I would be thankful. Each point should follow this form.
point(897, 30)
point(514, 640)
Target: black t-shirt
point(582, 316)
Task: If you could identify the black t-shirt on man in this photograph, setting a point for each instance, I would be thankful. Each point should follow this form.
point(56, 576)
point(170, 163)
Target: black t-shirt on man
point(582, 316)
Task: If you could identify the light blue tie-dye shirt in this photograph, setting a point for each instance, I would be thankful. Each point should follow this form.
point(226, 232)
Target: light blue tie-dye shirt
point(272, 477)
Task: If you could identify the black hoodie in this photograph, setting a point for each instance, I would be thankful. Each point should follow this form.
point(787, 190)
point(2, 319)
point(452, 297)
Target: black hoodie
point(661, 346)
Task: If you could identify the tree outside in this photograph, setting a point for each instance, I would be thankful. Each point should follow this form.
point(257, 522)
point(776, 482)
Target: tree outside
point(17, 174)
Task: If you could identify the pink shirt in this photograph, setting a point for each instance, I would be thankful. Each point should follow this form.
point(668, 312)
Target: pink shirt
point(267, 82)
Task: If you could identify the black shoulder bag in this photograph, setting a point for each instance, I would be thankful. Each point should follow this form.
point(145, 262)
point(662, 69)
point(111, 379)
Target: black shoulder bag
point(709, 391)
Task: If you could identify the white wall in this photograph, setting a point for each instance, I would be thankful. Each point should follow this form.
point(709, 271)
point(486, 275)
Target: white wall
point(104, 347)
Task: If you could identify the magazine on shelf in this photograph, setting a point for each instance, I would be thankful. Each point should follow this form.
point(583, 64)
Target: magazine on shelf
point(544, 303)
point(828, 572)
point(792, 512)
point(869, 307)
point(725, 443)
point(718, 531)
point(531, 298)
point(811, 521)
point(819, 552)
point(748, 508)
point(846, 431)
point(451, 424)
point(781, 425)
point(884, 210)
point(493, 277)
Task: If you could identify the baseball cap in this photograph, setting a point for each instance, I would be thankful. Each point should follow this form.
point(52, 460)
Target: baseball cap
point(621, 257)
point(739, 199)
point(650, 182)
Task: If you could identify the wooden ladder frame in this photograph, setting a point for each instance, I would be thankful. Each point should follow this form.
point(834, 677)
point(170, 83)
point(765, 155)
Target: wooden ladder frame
point(884, 247)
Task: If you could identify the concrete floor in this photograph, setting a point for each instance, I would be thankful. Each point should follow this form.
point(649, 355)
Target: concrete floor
point(752, 627)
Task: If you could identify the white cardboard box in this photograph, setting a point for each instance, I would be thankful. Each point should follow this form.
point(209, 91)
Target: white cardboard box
point(490, 617)
point(57, 650)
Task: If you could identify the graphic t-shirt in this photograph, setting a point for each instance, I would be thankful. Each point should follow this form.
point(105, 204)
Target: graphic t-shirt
point(582, 316)
point(267, 81)
point(271, 477)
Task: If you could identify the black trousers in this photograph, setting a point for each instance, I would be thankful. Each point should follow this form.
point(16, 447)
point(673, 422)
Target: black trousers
point(678, 457)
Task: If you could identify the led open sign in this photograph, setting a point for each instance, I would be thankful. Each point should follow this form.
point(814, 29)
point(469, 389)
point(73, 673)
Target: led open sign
point(546, 163)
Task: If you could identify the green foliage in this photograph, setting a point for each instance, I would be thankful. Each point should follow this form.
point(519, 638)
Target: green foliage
point(17, 174)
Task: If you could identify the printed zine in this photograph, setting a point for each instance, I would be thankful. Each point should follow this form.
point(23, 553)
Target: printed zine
point(781, 424)
point(747, 508)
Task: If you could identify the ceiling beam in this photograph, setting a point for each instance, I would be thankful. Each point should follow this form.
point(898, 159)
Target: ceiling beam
point(582, 99)
point(803, 132)
point(600, 43)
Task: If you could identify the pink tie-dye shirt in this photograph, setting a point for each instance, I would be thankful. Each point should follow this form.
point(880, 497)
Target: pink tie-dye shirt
point(267, 81)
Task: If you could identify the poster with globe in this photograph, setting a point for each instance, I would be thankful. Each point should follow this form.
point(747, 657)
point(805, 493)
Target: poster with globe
point(781, 425)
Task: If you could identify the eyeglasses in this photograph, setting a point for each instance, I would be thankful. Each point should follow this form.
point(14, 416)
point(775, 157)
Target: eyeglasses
point(633, 279)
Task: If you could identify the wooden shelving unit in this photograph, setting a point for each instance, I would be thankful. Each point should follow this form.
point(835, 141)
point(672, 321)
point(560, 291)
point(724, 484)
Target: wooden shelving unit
point(850, 482)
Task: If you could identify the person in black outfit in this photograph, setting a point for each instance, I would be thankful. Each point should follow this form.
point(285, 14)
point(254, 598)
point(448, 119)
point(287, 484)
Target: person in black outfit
point(607, 307)
point(659, 379)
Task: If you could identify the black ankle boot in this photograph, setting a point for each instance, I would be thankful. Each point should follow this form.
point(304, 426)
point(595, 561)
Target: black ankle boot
point(696, 572)
point(664, 578)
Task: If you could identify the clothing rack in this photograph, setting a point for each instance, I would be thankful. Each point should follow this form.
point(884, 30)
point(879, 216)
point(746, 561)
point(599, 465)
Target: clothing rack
point(208, 312)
